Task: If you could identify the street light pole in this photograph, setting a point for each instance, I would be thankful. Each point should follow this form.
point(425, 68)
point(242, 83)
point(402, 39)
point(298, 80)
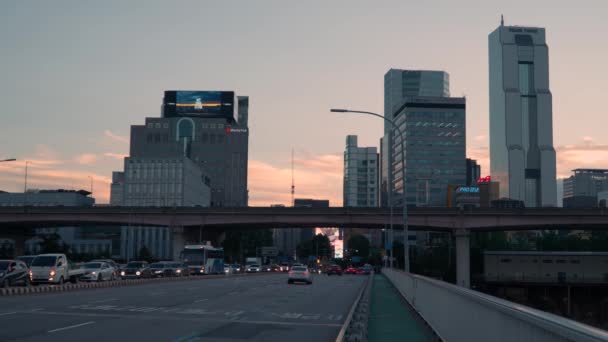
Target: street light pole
point(91, 178)
point(406, 249)
point(25, 185)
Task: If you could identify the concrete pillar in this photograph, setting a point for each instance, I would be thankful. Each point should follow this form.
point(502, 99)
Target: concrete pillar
point(178, 241)
point(463, 257)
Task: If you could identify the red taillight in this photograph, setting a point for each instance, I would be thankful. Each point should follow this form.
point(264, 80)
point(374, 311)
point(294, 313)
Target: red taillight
point(290, 272)
point(306, 273)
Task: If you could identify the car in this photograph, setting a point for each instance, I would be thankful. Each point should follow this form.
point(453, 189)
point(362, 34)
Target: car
point(266, 268)
point(333, 269)
point(253, 268)
point(136, 269)
point(299, 274)
point(350, 270)
point(160, 269)
point(112, 263)
point(27, 259)
point(227, 268)
point(236, 268)
point(97, 271)
point(284, 267)
point(367, 269)
point(179, 269)
point(360, 270)
point(275, 268)
point(13, 272)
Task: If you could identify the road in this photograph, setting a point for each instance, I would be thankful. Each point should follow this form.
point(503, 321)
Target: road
point(250, 308)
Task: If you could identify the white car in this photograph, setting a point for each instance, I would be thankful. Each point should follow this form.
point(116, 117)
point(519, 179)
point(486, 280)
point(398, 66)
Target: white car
point(98, 271)
point(253, 268)
point(299, 273)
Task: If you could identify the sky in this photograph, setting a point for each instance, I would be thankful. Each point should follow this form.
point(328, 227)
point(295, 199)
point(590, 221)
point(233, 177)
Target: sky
point(74, 75)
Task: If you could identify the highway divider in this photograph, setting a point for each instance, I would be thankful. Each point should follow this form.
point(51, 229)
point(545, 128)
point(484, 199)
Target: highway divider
point(67, 287)
point(355, 324)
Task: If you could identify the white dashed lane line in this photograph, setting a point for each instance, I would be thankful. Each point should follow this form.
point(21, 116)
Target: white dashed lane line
point(70, 327)
point(7, 313)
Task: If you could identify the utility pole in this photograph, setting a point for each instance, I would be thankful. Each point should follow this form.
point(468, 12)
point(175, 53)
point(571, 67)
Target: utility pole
point(293, 186)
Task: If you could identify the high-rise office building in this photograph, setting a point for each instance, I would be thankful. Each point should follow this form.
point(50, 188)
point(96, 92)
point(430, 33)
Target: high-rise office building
point(582, 188)
point(435, 149)
point(194, 155)
point(361, 184)
point(399, 84)
point(473, 172)
point(360, 175)
point(522, 157)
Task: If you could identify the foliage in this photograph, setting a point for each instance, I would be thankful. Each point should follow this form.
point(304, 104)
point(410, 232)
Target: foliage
point(319, 246)
point(358, 245)
point(144, 254)
point(240, 244)
point(7, 251)
point(52, 243)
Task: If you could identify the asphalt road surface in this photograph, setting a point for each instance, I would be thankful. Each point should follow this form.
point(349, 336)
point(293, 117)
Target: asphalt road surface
point(253, 308)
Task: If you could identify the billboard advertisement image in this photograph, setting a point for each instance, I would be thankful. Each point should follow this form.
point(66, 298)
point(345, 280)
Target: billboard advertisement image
point(199, 103)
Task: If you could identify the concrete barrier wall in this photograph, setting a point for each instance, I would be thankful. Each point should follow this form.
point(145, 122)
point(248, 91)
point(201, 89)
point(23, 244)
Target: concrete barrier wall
point(460, 314)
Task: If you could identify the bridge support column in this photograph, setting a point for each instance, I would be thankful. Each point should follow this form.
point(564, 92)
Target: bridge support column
point(178, 241)
point(463, 257)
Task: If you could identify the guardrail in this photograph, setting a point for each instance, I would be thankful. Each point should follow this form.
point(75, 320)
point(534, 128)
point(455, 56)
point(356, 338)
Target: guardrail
point(459, 314)
point(40, 289)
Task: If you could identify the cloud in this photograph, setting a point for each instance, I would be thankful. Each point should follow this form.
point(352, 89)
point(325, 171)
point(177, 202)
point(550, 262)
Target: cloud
point(481, 137)
point(86, 159)
point(318, 177)
point(115, 137)
point(118, 156)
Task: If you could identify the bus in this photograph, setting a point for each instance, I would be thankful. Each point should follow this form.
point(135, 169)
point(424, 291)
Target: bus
point(203, 259)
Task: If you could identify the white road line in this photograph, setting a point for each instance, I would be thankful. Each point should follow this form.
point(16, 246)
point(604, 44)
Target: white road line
point(105, 300)
point(7, 313)
point(70, 327)
point(37, 309)
point(201, 300)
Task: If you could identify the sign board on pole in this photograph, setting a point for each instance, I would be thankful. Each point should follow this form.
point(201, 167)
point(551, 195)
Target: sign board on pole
point(269, 251)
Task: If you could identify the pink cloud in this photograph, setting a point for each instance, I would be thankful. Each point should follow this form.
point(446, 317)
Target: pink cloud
point(115, 137)
point(86, 159)
point(119, 156)
point(318, 177)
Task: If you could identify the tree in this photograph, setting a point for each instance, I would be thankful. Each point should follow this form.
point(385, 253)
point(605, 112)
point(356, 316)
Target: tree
point(319, 246)
point(7, 251)
point(144, 254)
point(358, 245)
point(52, 243)
point(239, 244)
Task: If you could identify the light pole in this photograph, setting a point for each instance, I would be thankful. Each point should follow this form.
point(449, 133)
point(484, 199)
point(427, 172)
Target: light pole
point(25, 185)
point(8, 160)
point(406, 249)
point(91, 178)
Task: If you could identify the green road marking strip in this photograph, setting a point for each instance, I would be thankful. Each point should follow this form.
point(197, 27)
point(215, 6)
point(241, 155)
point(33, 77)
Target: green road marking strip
point(390, 319)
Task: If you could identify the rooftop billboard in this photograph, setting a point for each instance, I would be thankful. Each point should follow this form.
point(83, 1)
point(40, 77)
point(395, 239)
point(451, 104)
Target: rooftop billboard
point(219, 104)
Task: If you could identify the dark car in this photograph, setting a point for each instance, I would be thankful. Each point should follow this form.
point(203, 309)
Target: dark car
point(266, 268)
point(13, 272)
point(27, 259)
point(136, 269)
point(160, 269)
point(333, 269)
point(179, 269)
point(275, 268)
point(285, 267)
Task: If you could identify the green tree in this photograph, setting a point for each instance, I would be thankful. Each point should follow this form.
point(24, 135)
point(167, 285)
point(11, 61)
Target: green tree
point(358, 245)
point(240, 244)
point(52, 243)
point(144, 254)
point(319, 246)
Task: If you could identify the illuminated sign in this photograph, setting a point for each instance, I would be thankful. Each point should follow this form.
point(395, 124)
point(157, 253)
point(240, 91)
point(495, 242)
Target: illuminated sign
point(338, 249)
point(209, 104)
point(235, 130)
point(486, 179)
point(468, 189)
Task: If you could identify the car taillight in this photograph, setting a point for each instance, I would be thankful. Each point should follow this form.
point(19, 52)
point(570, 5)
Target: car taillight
point(306, 273)
point(290, 272)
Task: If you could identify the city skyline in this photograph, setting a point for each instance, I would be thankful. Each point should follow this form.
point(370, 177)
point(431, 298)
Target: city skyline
point(90, 85)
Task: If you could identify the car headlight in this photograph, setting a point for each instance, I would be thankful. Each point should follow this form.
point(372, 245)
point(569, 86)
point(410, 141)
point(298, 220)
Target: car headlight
point(93, 273)
point(52, 273)
point(137, 273)
point(202, 270)
point(122, 273)
point(178, 271)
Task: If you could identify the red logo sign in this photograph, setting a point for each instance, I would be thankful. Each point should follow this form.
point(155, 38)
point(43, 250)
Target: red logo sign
point(485, 179)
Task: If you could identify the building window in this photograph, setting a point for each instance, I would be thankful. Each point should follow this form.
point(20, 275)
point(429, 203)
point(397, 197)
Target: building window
point(157, 125)
point(150, 125)
point(165, 125)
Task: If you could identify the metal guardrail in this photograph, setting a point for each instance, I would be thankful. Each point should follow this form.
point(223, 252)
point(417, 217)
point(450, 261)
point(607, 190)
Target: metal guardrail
point(459, 314)
point(349, 318)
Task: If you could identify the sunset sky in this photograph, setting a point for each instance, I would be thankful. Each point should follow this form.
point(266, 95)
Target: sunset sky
point(74, 75)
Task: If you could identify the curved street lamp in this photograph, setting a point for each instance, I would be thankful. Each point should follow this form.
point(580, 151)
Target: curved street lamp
point(406, 247)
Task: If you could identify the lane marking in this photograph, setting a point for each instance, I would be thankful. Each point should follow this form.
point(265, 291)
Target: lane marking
point(104, 300)
point(70, 327)
point(7, 313)
point(201, 300)
point(37, 309)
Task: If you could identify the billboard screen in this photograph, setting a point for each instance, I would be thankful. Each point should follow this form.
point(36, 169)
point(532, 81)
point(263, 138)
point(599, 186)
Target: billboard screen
point(199, 103)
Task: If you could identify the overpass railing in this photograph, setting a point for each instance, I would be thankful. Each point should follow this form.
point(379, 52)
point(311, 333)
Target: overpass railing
point(460, 314)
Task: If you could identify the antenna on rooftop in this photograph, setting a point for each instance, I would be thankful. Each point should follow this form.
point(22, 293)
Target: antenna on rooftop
point(293, 186)
point(502, 20)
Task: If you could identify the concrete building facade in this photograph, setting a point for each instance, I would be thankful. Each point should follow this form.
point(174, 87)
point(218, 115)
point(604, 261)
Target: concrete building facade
point(581, 190)
point(522, 157)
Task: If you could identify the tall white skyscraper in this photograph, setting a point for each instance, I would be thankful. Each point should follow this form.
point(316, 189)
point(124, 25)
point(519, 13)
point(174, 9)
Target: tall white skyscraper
point(360, 174)
point(522, 157)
